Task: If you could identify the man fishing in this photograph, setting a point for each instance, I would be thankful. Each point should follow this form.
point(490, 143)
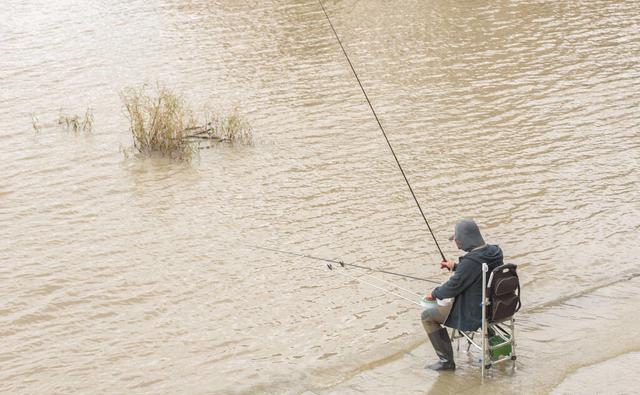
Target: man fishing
point(465, 285)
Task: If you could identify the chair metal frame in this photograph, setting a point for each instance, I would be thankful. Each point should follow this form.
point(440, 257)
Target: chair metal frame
point(506, 335)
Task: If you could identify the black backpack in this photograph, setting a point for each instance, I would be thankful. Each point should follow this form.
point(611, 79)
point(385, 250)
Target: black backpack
point(503, 290)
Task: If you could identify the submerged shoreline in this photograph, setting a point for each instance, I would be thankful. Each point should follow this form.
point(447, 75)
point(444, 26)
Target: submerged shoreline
point(539, 368)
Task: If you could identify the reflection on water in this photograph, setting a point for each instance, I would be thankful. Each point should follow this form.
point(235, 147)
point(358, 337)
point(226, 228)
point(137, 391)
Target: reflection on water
point(134, 275)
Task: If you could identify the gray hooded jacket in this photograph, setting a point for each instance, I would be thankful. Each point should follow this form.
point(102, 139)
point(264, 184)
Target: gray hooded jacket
point(466, 283)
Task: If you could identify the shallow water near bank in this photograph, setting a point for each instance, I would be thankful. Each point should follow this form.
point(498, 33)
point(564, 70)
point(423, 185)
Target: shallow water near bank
point(135, 275)
point(609, 377)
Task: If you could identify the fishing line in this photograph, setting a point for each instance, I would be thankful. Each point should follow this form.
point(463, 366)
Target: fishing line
point(343, 264)
point(392, 284)
point(382, 129)
point(392, 273)
point(386, 291)
point(330, 267)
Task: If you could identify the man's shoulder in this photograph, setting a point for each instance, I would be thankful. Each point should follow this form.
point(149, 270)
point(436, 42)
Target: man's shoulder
point(471, 257)
point(469, 262)
point(492, 255)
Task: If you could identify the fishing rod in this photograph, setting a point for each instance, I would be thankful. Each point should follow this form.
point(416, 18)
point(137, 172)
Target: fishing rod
point(330, 266)
point(343, 264)
point(382, 129)
point(386, 291)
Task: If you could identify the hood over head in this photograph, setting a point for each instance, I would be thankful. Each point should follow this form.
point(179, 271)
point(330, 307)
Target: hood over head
point(467, 234)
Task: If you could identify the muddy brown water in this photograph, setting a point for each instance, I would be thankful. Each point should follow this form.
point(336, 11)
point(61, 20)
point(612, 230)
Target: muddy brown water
point(135, 276)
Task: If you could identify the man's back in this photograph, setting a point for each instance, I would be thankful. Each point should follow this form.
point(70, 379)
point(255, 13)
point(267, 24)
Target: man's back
point(466, 287)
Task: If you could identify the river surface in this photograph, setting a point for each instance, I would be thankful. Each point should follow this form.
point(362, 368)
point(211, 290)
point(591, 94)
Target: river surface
point(131, 275)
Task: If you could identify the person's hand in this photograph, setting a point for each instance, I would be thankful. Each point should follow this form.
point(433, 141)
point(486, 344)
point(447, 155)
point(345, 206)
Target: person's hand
point(429, 296)
point(447, 265)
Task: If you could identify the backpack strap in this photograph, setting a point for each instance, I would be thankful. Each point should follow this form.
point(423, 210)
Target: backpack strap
point(519, 303)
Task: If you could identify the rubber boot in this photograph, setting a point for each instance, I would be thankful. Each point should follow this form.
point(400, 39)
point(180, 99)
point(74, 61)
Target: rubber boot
point(442, 344)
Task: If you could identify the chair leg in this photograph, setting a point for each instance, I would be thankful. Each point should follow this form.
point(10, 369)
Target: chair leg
point(513, 342)
point(485, 301)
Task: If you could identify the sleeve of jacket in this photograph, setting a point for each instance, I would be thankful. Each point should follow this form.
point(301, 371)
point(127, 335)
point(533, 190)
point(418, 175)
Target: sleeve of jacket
point(462, 278)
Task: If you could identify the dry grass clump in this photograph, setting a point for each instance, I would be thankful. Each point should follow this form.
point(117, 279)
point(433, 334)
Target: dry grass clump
point(74, 123)
point(163, 123)
point(159, 123)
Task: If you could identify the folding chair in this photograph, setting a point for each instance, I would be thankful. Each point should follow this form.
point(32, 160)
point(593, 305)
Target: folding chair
point(500, 301)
